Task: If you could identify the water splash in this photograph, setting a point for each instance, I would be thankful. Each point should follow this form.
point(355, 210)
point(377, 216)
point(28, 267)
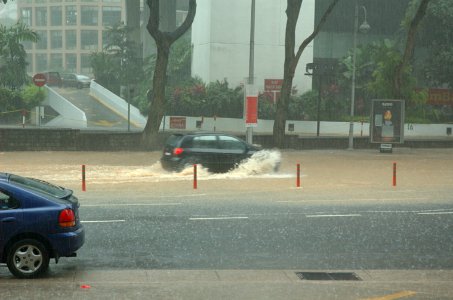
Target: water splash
point(262, 162)
point(261, 165)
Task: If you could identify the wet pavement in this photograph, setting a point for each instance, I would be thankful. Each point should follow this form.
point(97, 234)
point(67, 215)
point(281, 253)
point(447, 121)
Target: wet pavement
point(332, 181)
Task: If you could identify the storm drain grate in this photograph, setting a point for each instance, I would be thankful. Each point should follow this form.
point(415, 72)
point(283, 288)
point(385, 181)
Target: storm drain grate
point(328, 276)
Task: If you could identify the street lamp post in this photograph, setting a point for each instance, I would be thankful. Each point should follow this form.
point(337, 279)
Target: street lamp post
point(249, 130)
point(364, 27)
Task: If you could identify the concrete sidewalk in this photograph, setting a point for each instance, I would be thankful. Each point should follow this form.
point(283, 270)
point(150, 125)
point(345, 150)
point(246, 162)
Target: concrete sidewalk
point(227, 284)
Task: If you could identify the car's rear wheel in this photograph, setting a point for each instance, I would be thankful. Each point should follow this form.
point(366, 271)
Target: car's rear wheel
point(28, 258)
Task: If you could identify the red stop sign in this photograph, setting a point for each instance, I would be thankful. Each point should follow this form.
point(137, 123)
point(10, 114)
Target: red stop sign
point(39, 79)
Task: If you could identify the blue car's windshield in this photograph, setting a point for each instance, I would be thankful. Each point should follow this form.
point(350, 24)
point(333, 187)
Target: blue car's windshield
point(40, 186)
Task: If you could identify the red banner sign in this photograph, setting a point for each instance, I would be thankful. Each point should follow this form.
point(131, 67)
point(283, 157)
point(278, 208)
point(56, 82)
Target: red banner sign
point(178, 122)
point(440, 97)
point(273, 84)
point(251, 111)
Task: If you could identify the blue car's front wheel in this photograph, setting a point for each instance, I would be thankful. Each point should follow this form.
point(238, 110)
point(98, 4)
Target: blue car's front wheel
point(28, 258)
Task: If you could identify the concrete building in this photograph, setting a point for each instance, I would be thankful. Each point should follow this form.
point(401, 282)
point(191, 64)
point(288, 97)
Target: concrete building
point(336, 36)
point(221, 41)
point(69, 31)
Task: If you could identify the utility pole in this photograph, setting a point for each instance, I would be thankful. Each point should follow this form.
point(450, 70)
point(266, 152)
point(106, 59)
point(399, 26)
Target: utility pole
point(249, 132)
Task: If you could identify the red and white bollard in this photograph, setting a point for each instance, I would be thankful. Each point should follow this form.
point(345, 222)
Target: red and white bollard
point(195, 183)
point(83, 179)
point(298, 176)
point(394, 174)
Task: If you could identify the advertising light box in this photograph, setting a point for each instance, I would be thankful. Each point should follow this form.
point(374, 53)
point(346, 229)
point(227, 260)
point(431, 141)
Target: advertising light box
point(387, 121)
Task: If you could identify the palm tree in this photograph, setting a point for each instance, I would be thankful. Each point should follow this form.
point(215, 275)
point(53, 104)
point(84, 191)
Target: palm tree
point(13, 61)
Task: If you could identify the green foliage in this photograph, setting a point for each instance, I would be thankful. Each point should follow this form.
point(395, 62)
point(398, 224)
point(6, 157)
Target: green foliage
point(266, 107)
point(214, 99)
point(10, 100)
point(117, 64)
point(437, 38)
point(304, 107)
point(32, 96)
point(179, 61)
point(178, 74)
point(106, 71)
point(376, 65)
point(13, 62)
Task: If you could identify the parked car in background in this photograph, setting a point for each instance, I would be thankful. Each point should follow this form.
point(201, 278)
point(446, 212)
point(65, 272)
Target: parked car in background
point(75, 80)
point(216, 151)
point(53, 79)
point(38, 221)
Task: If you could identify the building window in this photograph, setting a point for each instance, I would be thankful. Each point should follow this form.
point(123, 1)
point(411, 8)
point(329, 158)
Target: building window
point(71, 39)
point(29, 63)
point(105, 34)
point(85, 64)
point(41, 62)
point(56, 61)
point(41, 16)
point(42, 42)
point(56, 16)
point(89, 15)
point(27, 45)
point(71, 62)
point(89, 39)
point(71, 15)
point(111, 15)
point(26, 16)
point(56, 39)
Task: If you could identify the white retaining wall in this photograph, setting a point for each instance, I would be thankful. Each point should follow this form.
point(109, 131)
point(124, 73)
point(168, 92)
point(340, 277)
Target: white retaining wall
point(305, 127)
point(70, 115)
point(116, 104)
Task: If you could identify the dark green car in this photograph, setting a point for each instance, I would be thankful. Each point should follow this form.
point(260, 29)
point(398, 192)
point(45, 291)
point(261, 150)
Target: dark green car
point(217, 152)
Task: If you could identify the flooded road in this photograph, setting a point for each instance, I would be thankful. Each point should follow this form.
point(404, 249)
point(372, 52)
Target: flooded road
point(346, 215)
point(126, 167)
point(331, 173)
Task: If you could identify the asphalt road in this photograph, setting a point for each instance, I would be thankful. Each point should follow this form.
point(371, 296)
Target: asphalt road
point(205, 233)
point(145, 226)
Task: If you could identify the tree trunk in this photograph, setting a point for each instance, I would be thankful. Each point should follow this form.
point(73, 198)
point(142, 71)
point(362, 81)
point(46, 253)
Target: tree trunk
point(281, 113)
point(408, 51)
point(291, 61)
point(157, 105)
point(164, 40)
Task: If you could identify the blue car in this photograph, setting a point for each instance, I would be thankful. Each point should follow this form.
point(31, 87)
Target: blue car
point(38, 221)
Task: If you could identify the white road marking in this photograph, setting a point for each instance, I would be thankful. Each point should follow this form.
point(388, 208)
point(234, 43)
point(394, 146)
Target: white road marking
point(436, 213)
point(332, 216)
point(182, 196)
point(131, 204)
point(104, 221)
point(304, 201)
point(217, 218)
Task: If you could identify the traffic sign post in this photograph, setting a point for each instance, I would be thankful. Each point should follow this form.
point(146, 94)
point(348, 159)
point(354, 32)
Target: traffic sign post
point(39, 79)
point(273, 87)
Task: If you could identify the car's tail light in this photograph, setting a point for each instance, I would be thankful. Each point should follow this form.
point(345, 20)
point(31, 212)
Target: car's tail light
point(66, 218)
point(178, 151)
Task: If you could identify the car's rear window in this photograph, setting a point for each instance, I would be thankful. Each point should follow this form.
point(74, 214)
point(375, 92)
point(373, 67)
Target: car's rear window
point(40, 186)
point(173, 140)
